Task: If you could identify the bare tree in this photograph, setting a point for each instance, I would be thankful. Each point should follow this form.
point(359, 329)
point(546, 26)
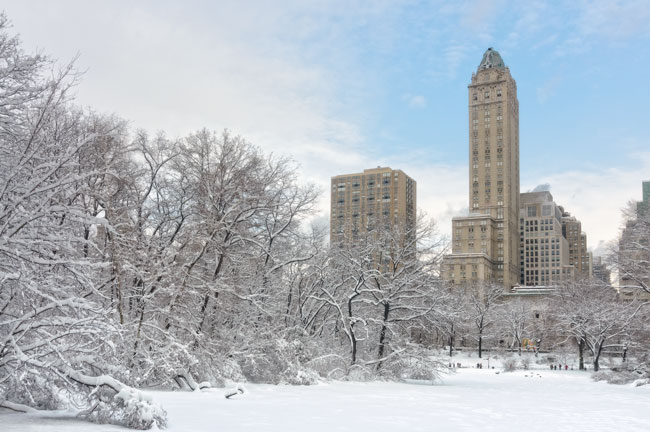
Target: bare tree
point(454, 322)
point(589, 311)
point(515, 318)
point(482, 309)
point(54, 333)
point(380, 289)
point(405, 287)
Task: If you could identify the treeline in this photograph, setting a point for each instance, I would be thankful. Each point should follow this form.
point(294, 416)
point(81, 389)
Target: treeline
point(129, 260)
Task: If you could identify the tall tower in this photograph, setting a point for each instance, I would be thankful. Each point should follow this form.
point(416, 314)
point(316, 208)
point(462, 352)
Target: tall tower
point(485, 244)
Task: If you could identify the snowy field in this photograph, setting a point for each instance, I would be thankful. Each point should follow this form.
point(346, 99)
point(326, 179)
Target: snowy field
point(469, 400)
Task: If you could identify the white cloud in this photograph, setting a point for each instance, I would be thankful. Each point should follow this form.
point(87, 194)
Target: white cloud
point(415, 101)
point(479, 15)
point(614, 18)
point(179, 69)
point(454, 54)
point(548, 88)
point(597, 195)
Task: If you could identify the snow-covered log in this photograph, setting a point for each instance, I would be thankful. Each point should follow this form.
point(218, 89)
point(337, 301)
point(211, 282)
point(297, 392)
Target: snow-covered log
point(127, 406)
point(234, 391)
point(16, 406)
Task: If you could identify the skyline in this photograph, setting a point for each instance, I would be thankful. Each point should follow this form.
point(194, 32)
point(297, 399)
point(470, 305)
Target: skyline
point(325, 82)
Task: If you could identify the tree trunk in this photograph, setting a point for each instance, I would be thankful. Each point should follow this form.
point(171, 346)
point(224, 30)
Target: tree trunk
point(597, 353)
point(480, 345)
point(581, 358)
point(353, 338)
point(215, 275)
point(382, 334)
point(451, 341)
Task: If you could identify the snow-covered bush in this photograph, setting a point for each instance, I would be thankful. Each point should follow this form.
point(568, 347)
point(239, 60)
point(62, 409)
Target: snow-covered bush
point(36, 391)
point(277, 362)
point(412, 362)
point(129, 407)
point(329, 366)
point(510, 364)
point(624, 373)
point(360, 372)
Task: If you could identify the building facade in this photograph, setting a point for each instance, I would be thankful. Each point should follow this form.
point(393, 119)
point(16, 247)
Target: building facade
point(375, 199)
point(601, 271)
point(544, 257)
point(485, 244)
point(634, 251)
point(642, 206)
point(579, 257)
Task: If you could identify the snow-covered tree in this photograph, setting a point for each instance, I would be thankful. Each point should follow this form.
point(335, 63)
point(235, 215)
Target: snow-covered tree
point(379, 289)
point(590, 312)
point(454, 322)
point(55, 336)
point(515, 318)
point(205, 233)
point(481, 310)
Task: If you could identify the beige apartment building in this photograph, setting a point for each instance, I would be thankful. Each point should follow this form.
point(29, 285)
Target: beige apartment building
point(579, 257)
point(485, 244)
point(375, 199)
point(544, 249)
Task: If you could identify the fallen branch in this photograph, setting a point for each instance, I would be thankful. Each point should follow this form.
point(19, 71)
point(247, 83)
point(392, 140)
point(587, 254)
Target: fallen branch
point(17, 407)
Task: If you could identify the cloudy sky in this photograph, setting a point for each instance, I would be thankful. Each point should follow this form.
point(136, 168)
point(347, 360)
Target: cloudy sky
point(340, 86)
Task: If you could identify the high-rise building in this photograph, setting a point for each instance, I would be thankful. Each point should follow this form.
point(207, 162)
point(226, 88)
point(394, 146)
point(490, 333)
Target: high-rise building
point(485, 244)
point(378, 198)
point(601, 271)
point(544, 250)
point(579, 256)
point(642, 206)
point(634, 251)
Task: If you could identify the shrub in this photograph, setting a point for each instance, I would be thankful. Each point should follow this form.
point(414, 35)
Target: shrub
point(510, 364)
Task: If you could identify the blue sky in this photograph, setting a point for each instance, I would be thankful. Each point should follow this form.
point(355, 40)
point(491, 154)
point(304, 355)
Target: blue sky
point(342, 86)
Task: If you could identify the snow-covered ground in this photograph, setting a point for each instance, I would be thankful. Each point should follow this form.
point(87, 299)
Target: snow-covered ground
point(469, 400)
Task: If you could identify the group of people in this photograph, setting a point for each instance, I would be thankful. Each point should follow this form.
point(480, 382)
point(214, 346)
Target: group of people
point(559, 367)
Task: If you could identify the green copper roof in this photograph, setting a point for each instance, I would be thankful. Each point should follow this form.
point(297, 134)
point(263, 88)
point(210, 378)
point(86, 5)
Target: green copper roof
point(491, 59)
